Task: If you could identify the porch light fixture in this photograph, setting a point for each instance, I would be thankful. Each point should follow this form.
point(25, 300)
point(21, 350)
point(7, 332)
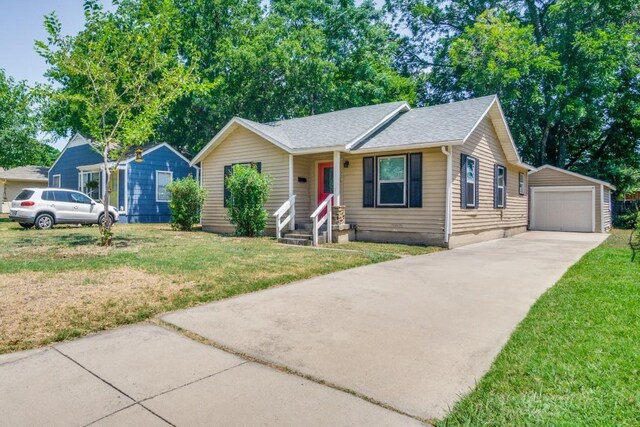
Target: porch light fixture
point(346, 164)
point(138, 156)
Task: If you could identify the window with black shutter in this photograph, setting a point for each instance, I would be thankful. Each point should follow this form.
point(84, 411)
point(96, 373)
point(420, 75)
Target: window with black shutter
point(392, 181)
point(469, 181)
point(415, 180)
point(500, 187)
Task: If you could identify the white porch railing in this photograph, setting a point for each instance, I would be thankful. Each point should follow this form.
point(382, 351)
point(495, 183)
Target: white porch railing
point(317, 222)
point(288, 206)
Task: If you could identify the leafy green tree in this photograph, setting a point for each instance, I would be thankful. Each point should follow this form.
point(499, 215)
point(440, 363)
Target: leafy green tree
point(249, 191)
point(19, 125)
point(187, 197)
point(115, 78)
point(566, 72)
point(283, 59)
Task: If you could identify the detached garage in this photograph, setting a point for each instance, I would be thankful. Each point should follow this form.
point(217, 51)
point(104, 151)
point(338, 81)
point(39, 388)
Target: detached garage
point(560, 200)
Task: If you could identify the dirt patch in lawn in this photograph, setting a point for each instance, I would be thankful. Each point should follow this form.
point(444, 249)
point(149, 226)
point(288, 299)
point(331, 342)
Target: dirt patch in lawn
point(40, 307)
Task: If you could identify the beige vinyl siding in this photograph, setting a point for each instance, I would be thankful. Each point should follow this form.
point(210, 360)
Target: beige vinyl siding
point(554, 178)
point(606, 208)
point(10, 189)
point(241, 146)
point(484, 145)
point(427, 222)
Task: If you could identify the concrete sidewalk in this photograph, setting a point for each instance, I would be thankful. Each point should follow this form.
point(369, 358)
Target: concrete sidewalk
point(145, 375)
point(415, 333)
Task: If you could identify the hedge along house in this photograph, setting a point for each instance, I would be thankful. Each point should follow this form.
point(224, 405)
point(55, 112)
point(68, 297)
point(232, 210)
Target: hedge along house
point(138, 190)
point(447, 175)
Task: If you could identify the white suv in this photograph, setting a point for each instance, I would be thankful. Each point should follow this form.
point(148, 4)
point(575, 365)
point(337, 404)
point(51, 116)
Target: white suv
point(44, 207)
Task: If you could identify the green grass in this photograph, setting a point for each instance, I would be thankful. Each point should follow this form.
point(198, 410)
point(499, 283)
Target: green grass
point(385, 248)
point(575, 359)
point(56, 284)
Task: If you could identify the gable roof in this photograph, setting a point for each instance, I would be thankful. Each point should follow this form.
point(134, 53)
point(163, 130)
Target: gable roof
point(577, 175)
point(26, 173)
point(380, 127)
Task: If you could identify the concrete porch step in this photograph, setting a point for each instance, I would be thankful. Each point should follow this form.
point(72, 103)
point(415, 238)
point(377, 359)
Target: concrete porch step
point(296, 242)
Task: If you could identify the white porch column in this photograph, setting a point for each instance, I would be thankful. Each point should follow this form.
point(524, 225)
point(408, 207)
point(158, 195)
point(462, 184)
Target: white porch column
point(292, 212)
point(337, 167)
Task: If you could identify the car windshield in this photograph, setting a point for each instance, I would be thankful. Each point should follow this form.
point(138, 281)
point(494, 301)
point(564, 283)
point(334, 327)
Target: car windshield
point(25, 195)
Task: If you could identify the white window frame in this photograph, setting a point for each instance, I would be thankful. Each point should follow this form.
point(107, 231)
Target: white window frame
point(158, 183)
point(521, 184)
point(80, 182)
point(500, 201)
point(403, 181)
point(53, 182)
point(473, 181)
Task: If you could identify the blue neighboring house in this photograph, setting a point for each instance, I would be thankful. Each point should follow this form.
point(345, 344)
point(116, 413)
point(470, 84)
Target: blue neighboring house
point(139, 188)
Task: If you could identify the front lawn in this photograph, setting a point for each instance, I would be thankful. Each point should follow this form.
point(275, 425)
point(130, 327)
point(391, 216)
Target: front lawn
point(57, 284)
point(575, 359)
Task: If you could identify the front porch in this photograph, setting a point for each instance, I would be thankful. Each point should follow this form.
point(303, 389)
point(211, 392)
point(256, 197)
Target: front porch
point(314, 214)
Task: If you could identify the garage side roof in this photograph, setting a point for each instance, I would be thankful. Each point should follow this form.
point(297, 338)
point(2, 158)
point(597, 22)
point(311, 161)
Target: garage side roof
point(577, 175)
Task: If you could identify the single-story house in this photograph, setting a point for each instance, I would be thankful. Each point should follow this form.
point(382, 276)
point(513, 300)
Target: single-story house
point(14, 180)
point(561, 200)
point(447, 175)
point(138, 190)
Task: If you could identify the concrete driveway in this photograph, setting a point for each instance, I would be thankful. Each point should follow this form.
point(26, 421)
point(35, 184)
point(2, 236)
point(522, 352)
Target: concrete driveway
point(414, 334)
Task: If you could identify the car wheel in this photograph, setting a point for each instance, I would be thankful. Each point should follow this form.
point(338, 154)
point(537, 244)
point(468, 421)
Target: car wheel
point(44, 222)
point(25, 225)
point(102, 218)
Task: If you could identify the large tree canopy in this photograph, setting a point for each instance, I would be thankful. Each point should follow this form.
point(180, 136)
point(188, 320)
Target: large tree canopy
point(19, 123)
point(566, 71)
point(286, 59)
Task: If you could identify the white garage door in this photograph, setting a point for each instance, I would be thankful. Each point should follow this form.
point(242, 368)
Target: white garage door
point(563, 209)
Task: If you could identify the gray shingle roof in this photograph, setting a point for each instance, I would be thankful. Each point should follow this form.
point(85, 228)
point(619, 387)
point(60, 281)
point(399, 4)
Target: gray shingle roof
point(436, 124)
point(337, 128)
point(26, 173)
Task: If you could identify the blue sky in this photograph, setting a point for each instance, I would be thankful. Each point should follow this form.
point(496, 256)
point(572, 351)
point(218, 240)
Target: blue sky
point(21, 24)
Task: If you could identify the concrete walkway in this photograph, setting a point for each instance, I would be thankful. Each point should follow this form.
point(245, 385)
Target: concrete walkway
point(412, 334)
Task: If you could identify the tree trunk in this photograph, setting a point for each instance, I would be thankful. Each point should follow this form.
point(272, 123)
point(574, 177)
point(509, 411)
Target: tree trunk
point(106, 234)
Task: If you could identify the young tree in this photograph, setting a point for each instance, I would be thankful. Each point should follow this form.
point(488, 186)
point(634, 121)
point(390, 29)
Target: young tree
point(115, 78)
point(19, 126)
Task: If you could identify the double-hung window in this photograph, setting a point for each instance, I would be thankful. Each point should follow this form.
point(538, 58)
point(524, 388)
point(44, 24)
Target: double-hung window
point(56, 181)
point(392, 181)
point(521, 184)
point(500, 185)
point(90, 184)
point(163, 178)
point(469, 190)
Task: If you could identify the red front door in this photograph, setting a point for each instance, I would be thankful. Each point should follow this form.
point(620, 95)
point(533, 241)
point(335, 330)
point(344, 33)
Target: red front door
point(325, 183)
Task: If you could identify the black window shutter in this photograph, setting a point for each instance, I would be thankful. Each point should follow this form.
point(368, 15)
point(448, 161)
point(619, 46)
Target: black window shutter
point(463, 181)
point(228, 170)
point(477, 175)
point(368, 182)
point(505, 188)
point(258, 166)
point(415, 180)
point(495, 186)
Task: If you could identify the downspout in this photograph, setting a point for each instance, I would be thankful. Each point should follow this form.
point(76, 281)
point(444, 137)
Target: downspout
point(447, 151)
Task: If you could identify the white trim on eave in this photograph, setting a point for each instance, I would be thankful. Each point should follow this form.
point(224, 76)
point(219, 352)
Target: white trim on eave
point(69, 144)
point(154, 148)
point(371, 130)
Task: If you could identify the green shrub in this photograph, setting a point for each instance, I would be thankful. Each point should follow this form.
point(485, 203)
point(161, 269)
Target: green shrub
point(626, 220)
point(248, 192)
point(187, 197)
